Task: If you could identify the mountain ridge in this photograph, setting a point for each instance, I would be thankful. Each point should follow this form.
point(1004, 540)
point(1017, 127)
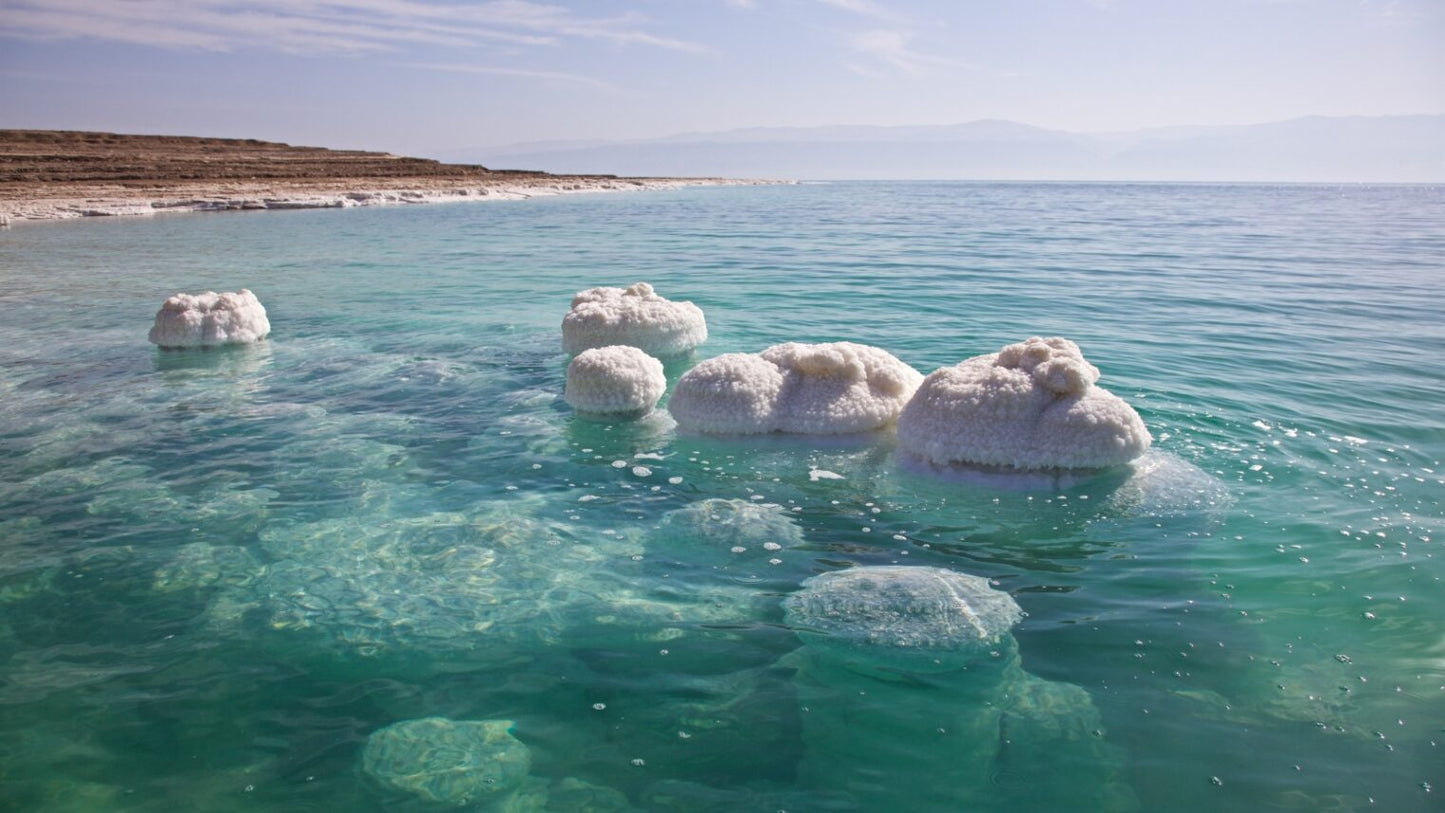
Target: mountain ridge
point(1389, 149)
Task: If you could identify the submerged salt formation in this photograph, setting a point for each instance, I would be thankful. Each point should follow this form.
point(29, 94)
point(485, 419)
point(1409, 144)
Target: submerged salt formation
point(705, 566)
point(210, 319)
point(615, 380)
point(726, 560)
point(198, 565)
point(480, 585)
point(719, 528)
point(448, 762)
point(1032, 405)
point(925, 618)
point(1162, 485)
point(914, 698)
point(380, 586)
point(633, 316)
point(820, 389)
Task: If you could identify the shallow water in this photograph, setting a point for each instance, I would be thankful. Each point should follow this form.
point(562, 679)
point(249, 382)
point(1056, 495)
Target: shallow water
point(220, 571)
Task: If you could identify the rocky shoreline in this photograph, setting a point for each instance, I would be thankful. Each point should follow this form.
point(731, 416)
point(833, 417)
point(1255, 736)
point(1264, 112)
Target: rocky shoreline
point(49, 175)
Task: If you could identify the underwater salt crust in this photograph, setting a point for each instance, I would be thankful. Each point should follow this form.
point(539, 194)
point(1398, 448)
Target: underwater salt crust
point(635, 316)
point(210, 319)
point(615, 380)
point(927, 615)
point(1032, 405)
point(718, 528)
point(895, 657)
point(476, 584)
point(1163, 485)
point(448, 762)
point(372, 583)
point(834, 388)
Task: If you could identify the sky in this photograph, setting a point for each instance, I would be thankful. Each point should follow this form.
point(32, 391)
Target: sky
point(424, 77)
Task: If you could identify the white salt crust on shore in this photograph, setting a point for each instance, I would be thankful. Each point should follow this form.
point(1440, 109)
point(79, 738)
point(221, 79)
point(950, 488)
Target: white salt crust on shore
point(100, 201)
point(1030, 406)
point(210, 319)
point(616, 380)
point(635, 316)
point(821, 389)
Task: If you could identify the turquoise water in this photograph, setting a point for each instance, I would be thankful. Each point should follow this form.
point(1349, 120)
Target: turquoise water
point(221, 571)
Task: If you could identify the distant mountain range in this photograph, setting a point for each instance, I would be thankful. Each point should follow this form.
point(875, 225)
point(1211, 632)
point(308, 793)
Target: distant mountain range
point(1401, 149)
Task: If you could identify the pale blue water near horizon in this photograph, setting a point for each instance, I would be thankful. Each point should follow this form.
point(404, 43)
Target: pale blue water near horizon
point(221, 571)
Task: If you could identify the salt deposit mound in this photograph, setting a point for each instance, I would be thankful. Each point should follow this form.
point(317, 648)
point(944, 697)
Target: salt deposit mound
point(616, 380)
point(634, 316)
point(820, 389)
point(1031, 405)
point(903, 614)
point(210, 319)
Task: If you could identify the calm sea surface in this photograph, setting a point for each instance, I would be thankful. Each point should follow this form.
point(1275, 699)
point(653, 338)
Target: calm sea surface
point(221, 571)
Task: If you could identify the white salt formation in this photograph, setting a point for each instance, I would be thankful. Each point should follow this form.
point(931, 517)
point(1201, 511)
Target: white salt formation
point(210, 319)
point(1031, 405)
point(634, 316)
point(615, 380)
point(820, 389)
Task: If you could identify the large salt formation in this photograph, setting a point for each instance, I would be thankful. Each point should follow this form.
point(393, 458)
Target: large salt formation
point(1031, 405)
point(210, 319)
point(819, 389)
point(617, 380)
point(914, 697)
point(634, 316)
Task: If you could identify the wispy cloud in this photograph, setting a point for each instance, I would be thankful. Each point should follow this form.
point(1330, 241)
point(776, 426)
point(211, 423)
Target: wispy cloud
point(865, 8)
point(887, 46)
point(864, 71)
point(321, 26)
point(493, 70)
point(892, 48)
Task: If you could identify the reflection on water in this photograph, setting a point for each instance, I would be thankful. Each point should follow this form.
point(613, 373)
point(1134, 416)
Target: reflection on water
point(233, 361)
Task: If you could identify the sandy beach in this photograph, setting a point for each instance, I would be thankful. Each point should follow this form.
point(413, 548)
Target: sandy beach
point(49, 175)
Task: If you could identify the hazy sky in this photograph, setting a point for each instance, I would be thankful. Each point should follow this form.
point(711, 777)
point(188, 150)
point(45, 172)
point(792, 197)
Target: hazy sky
point(416, 76)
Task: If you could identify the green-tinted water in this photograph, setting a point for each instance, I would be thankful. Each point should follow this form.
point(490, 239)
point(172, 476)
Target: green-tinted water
point(221, 571)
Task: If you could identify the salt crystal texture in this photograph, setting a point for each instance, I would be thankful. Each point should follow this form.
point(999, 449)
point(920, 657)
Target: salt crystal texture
point(633, 316)
point(210, 319)
point(903, 613)
point(614, 381)
point(820, 389)
point(1030, 406)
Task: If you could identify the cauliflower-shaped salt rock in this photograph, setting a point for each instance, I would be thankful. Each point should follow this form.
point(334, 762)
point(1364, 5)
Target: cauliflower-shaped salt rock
point(617, 380)
point(634, 316)
point(1032, 405)
point(210, 319)
point(819, 389)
